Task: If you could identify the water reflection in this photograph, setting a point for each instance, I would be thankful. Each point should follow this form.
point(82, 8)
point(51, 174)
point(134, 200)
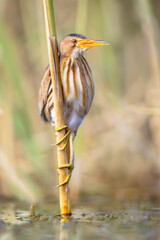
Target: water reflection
point(65, 230)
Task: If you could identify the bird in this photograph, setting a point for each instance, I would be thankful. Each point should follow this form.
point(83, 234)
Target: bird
point(77, 88)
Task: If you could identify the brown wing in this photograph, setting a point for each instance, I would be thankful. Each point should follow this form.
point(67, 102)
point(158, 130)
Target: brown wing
point(46, 103)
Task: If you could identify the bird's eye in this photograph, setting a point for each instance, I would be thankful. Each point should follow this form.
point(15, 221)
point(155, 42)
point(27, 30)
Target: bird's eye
point(74, 41)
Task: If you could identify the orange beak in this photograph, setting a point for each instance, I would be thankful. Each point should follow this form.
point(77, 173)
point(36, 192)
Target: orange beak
point(85, 43)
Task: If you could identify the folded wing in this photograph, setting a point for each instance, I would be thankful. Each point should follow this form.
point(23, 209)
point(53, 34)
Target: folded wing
point(46, 103)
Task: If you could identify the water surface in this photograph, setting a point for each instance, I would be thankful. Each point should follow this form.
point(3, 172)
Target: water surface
point(89, 221)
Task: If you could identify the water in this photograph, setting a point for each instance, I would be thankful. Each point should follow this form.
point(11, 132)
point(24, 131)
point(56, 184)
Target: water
point(88, 222)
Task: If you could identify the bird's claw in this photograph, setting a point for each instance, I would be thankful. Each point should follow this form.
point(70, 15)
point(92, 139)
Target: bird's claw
point(70, 166)
point(66, 136)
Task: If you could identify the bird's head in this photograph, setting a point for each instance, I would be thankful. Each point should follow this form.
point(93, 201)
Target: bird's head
point(75, 44)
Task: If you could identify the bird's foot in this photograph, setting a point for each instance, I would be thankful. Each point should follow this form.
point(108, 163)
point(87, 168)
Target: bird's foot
point(65, 137)
point(70, 166)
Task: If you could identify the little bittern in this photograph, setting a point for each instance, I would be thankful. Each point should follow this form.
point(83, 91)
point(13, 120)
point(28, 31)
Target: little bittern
point(77, 87)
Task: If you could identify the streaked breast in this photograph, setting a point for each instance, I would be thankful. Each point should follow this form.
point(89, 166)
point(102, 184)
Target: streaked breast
point(78, 86)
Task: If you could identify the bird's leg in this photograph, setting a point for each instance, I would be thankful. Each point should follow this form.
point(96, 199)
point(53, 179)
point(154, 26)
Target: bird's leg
point(70, 165)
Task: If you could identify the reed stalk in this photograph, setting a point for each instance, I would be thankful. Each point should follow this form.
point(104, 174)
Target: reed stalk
point(63, 156)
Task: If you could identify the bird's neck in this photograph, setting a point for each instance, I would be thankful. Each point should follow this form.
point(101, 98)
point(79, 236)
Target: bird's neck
point(71, 56)
point(66, 61)
point(75, 70)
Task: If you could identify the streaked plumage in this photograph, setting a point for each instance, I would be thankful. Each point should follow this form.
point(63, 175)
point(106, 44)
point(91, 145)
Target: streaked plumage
point(77, 83)
point(78, 89)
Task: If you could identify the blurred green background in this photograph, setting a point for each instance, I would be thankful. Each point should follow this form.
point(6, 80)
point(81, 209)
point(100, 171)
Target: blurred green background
point(117, 148)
